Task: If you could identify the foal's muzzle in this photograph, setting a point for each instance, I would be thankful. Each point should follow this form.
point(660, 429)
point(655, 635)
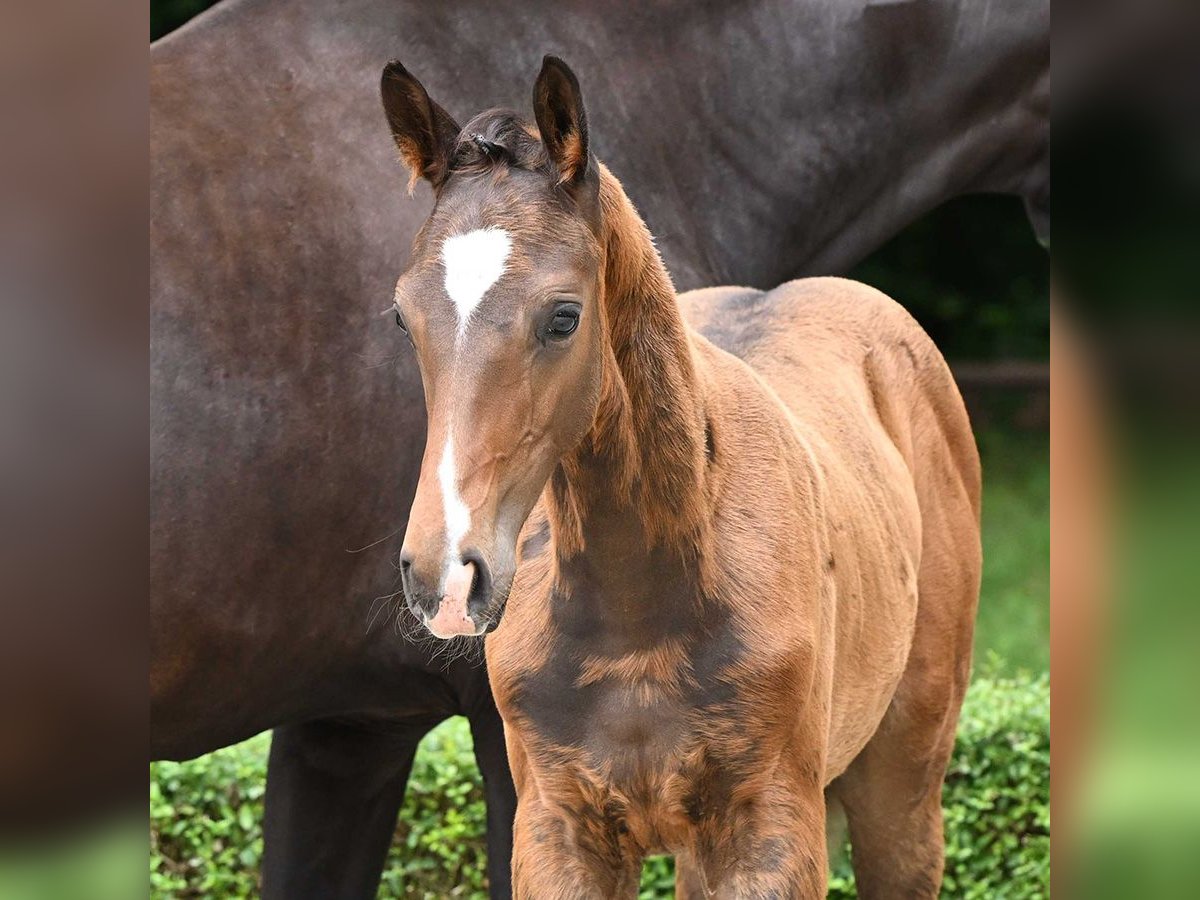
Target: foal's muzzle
point(454, 602)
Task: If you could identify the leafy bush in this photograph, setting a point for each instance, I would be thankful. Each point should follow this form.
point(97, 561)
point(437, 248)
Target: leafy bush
point(205, 823)
point(997, 794)
point(206, 817)
point(206, 840)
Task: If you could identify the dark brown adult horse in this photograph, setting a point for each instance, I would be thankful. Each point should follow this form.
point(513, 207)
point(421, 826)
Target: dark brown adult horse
point(802, 135)
point(749, 579)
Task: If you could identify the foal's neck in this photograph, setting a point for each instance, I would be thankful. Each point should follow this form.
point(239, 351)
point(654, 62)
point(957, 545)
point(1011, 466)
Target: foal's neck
point(634, 492)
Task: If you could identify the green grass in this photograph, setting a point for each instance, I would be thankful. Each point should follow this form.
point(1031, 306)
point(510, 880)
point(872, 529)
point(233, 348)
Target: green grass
point(1012, 632)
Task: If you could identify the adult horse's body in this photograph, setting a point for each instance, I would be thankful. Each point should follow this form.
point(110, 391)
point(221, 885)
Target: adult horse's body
point(748, 567)
point(801, 134)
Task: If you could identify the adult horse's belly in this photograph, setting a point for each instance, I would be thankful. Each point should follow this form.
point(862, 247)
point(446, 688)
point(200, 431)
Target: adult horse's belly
point(287, 427)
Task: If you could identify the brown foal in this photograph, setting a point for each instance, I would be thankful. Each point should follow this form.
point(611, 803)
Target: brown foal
point(725, 545)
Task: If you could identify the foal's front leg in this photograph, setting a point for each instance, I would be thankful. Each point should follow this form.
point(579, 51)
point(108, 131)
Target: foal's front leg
point(774, 850)
point(585, 858)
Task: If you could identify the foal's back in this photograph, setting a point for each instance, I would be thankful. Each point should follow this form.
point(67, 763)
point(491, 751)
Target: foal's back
point(875, 406)
point(822, 341)
point(836, 350)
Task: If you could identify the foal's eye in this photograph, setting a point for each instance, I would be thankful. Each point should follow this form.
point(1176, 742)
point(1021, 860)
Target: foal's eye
point(562, 322)
point(400, 322)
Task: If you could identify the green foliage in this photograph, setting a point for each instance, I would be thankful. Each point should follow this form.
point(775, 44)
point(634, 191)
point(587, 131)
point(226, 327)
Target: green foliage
point(206, 840)
point(972, 273)
point(167, 15)
point(104, 860)
point(439, 849)
point(205, 823)
point(1014, 606)
point(206, 836)
point(658, 878)
point(997, 793)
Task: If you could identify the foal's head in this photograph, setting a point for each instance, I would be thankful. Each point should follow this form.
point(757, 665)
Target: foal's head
point(501, 300)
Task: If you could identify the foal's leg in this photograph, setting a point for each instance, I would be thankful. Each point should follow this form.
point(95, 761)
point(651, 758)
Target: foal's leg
point(892, 794)
point(487, 730)
point(775, 851)
point(689, 884)
point(581, 861)
point(892, 791)
point(333, 792)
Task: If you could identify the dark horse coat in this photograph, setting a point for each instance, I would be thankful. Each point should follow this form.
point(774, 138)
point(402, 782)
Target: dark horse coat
point(761, 141)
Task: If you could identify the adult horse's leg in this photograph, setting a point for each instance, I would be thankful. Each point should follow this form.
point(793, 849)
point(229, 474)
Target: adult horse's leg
point(487, 729)
point(334, 789)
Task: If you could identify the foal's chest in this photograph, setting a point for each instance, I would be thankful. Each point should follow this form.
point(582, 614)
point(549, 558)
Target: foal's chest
point(633, 759)
point(619, 713)
point(643, 742)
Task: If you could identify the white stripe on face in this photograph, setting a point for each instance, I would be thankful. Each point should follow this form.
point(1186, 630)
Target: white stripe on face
point(458, 517)
point(473, 263)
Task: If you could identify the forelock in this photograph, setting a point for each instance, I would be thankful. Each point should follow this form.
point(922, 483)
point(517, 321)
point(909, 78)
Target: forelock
point(499, 139)
point(479, 194)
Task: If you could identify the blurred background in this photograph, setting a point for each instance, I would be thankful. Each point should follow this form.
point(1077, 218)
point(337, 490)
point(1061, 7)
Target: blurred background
point(1125, 622)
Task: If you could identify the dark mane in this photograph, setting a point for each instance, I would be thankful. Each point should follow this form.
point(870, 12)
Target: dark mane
point(499, 137)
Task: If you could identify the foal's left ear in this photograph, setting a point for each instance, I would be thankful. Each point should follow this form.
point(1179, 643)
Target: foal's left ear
point(558, 110)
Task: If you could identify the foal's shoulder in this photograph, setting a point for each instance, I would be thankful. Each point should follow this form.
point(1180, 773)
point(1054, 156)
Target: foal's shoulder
point(699, 307)
point(727, 315)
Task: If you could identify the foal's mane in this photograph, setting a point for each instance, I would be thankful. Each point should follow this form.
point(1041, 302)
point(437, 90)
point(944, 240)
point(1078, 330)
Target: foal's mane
point(657, 422)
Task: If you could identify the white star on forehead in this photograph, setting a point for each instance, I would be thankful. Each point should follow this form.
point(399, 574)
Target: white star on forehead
point(473, 262)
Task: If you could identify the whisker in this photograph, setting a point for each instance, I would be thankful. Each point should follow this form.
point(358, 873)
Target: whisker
point(378, 605)
point(375, 543)
point(443, 652)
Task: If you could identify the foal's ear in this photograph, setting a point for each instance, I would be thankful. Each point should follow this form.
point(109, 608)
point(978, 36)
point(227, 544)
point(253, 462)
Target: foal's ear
point(423, 131)
point(558, 110)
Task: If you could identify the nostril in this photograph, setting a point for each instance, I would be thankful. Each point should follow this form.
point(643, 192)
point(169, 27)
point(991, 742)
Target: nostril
point(481, 585)
point(406, 574)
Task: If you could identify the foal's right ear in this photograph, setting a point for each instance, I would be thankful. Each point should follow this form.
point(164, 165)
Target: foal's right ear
point(561, 119)
point(423, 131)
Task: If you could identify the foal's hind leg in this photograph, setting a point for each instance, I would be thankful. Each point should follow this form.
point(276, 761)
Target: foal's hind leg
point(892, 792)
